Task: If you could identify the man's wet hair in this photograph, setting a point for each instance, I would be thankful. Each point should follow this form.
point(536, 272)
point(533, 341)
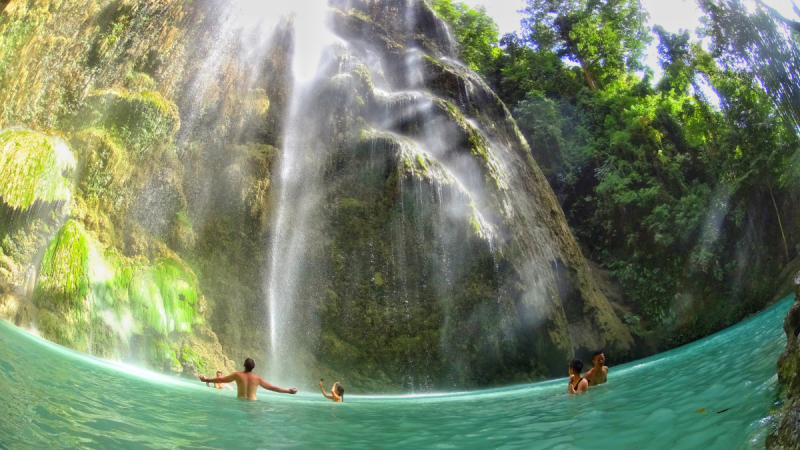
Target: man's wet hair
point(249, 365)
point(597, 353)
point(219, 373)
point(576, 365)
point(340, 391)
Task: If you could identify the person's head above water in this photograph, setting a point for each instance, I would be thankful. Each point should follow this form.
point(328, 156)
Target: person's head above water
point(598, 358)
point(575, 367)
point(219, 374)
point(249, 365)
point(340, 390)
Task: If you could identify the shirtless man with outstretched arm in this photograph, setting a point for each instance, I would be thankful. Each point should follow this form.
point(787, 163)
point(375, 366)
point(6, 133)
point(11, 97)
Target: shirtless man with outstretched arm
point(247, 382)
point(598, 374)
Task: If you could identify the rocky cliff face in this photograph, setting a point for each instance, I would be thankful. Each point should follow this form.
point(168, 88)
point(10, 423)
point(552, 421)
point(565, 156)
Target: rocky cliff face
point(435, 255)
point(787, 432)
point(129, 136)
point(442, 257)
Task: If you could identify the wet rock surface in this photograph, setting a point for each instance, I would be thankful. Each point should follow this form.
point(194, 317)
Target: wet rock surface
point(441, 258)
point(787, 431)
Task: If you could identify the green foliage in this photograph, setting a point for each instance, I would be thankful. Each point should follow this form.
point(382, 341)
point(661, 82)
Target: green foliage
point(476, 32)
point(34, 167)
point(663, 188)
point(604, 38)
point(761, 42)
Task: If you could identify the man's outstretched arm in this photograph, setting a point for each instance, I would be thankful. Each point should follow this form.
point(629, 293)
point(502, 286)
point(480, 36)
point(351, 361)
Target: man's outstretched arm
point(229, 379)
point(272, 388)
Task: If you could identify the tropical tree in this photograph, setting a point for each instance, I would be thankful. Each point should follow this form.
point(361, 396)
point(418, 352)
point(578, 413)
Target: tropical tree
point(756, 41)
point(603, 36)
point(476, 32)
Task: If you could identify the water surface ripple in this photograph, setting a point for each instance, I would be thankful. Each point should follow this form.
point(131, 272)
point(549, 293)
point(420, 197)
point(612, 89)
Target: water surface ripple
point(55, 398)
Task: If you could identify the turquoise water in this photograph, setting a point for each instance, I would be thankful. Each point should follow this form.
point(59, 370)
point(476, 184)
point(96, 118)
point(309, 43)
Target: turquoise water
point(55, 398)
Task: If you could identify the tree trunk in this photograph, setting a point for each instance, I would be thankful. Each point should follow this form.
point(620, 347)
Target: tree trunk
point(780, 224)
point(563, 25)
point(775, 14)
point(588, 75)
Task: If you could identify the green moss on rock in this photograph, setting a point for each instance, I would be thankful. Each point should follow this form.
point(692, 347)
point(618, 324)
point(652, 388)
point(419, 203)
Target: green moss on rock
point(141, 121)
point(64, 275)
point(34, 167)
point(103, 169)
point(786, 434)
point(160, 355)
point(188, 356)
point(182, 237)
point(69, 330)
point(165, 297)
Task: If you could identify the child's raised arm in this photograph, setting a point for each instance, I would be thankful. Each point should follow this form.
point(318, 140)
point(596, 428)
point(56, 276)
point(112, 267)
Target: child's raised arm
point(330, 397)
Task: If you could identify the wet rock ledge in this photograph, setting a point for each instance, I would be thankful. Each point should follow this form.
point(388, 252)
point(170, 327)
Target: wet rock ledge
point(787, 431)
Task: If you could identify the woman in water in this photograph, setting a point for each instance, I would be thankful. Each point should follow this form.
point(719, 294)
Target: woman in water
point(577, 383)
point(337, 392)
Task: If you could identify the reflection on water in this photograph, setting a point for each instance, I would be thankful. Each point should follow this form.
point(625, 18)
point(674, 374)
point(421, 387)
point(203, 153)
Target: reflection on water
point(55, 398)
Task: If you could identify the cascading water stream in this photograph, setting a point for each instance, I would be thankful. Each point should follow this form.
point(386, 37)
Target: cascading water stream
point(301, 198)
point(299, 190)
point(410, 106)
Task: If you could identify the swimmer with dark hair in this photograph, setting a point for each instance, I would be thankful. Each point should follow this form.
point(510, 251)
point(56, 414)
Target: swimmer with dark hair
point(337, 392)
point(577, 383)
point(247, 382)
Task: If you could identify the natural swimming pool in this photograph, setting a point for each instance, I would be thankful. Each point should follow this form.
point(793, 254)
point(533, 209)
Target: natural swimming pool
point(55, 398)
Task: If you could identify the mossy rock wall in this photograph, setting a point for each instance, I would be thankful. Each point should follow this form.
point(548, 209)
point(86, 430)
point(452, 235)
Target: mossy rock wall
point(438, 256)
point(139, 120)
point(64, 273)
point(786, 434)
point(121, 81)
point(62, 290)
point(95, 300)
point(415, 292)
point(165, 298)
point(34, 168)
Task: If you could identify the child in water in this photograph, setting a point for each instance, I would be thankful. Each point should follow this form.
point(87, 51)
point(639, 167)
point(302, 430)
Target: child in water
point(577, 383)
point(221, 385)
point(337, 392)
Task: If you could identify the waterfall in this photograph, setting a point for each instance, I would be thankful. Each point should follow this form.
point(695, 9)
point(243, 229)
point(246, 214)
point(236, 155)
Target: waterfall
point(299, 190)
point(318, 184)
point(407, 108)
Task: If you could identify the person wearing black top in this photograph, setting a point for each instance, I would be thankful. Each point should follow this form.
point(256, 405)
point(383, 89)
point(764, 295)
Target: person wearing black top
point(577, 383)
